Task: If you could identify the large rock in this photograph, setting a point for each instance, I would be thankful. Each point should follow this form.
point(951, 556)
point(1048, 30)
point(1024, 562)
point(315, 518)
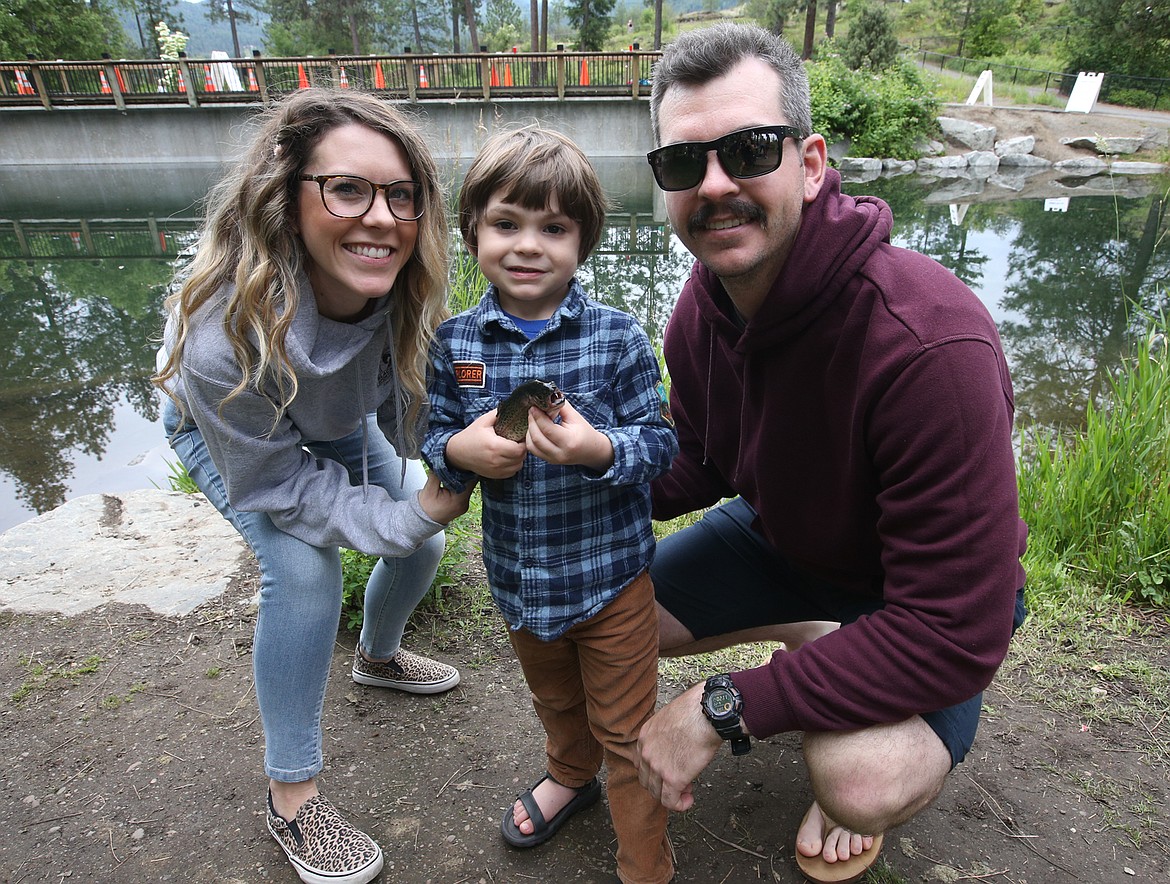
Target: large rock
point(982, 163)
point(1021, 145)
point(165, 550)
point(1111, 145)
point(968, 134)
point(943, 167)
point(1084, 166)
point(1133, 167)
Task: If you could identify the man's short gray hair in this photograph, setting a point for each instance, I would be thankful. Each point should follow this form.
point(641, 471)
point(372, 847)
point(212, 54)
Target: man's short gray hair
point(700, 56)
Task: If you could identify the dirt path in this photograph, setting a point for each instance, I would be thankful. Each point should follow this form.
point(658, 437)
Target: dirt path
point(1049, 127)
point(134, 750)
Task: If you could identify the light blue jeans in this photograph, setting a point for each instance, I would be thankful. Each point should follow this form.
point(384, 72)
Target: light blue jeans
point(300, 594)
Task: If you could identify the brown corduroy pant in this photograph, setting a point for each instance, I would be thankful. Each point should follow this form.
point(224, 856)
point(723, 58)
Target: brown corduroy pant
point(593, 689)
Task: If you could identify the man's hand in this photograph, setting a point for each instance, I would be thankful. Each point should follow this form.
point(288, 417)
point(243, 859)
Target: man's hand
point(572, 441)
point(477, 449)
point(442, 504)
point(675, 746)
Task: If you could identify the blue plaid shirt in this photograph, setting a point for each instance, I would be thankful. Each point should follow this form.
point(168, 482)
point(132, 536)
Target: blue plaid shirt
point(559, 542)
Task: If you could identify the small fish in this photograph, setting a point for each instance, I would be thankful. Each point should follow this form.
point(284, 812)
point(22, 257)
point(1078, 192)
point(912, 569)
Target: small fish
point(512, 415)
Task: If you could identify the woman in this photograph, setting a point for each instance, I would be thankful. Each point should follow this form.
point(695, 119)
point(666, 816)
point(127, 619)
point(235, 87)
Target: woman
point(295, 361)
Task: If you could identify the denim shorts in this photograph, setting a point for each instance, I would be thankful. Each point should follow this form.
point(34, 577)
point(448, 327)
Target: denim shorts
point(724, 550)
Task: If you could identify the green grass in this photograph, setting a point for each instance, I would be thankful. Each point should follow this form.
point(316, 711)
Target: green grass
point(179, 479)
point(39, 675)
point(1097, 501)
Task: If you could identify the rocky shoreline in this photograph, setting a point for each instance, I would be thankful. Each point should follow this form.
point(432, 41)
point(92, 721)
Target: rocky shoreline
point(1007, 153)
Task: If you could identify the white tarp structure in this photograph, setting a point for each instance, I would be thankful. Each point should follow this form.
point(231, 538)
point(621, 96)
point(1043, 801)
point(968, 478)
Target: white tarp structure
point(1085, 92)
point(224, 75)
point(983, 84)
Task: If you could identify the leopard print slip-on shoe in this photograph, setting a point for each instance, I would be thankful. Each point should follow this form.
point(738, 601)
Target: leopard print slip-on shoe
point(405, 671)
point(323, 847)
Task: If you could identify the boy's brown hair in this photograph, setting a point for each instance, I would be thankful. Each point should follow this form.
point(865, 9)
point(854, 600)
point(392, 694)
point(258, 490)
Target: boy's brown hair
point(528, 167)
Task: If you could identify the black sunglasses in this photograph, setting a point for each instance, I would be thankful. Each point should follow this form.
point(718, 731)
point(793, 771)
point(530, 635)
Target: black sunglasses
point(745, 153)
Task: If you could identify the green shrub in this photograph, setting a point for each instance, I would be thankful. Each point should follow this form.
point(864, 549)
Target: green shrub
point(1097, 502)
point(882, 115)
point(1131, 98)
point(870, 42)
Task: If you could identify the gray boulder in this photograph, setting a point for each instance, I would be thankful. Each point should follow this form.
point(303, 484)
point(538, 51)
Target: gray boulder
point(1132, 167)
point(162, 549)
point(1113, 145)
point(1022, 145)
point(1081, 166)
point(968, 134)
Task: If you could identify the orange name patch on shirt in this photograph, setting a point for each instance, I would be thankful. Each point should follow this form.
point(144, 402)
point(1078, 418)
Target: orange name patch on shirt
point(469, 374)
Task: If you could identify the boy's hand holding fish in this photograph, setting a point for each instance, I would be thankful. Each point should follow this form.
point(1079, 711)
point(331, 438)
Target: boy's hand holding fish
point(479, 449)
point(535, 418)
point(571, 441)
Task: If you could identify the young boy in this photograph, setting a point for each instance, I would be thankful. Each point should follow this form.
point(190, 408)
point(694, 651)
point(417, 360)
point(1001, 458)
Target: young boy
point(566, 510)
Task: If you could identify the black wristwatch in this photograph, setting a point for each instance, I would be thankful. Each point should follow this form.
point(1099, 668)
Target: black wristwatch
point(722, 704)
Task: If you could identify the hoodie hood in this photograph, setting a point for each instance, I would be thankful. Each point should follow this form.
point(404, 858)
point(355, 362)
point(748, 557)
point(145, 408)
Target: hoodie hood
point(319, 347)
point(838, 234)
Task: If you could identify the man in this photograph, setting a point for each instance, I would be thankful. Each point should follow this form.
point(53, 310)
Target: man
point(856, 398)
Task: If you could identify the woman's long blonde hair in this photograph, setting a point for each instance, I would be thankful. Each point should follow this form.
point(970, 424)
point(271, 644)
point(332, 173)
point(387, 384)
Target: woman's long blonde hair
point(248, 242)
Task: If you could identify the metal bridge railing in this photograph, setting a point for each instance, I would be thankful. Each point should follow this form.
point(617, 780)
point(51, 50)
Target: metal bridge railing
point(407, 77)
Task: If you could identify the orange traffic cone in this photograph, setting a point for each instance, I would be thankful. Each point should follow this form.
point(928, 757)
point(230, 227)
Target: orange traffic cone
point(182, 82)
point(379, 79)
point(208, 82)
point(423, 82)
point(343, 80)
point(106, 90)
point(508, 74)
point(121, 82)
point(302, 80)
point(162, 240)
point(76, 237)
point(23, 86)
point(584, 72)
point(253, 86)
point(495, 78)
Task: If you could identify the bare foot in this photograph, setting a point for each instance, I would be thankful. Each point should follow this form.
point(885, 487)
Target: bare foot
point(820, 835)
point(551, 797)
point(287, 798)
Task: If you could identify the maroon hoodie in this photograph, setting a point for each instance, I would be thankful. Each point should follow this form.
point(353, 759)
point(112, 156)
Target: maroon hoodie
point(865, 413)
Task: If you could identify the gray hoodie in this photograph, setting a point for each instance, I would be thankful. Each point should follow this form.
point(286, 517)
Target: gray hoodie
point(344, 371)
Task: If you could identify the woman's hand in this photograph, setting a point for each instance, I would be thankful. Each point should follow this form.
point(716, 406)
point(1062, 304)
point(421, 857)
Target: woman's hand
point(442, 504)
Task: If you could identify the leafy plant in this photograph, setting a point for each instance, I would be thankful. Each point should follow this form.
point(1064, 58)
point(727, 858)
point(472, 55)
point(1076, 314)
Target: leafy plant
point(886, 115)
point(1098, 501)
point(179, 479)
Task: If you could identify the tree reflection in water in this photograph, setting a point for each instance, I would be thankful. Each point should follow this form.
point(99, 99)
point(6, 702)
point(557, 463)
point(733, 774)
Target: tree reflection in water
point(1069, 291)
point(1077, 290)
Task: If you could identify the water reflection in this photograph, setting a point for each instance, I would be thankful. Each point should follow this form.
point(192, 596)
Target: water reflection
point(1071, 289)
point(84, 264)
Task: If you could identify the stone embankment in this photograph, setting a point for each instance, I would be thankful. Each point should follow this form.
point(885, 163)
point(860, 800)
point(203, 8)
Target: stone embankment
point(164, 550)
point(1004, 153)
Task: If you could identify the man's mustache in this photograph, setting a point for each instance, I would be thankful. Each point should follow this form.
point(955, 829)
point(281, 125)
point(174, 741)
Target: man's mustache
point(739, 208)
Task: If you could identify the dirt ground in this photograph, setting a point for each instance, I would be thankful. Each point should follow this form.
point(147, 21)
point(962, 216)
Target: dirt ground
point(1049, 126)
point(134, 753)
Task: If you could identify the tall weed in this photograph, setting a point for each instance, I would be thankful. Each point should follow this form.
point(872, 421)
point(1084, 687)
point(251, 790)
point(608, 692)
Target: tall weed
point(1098, 501)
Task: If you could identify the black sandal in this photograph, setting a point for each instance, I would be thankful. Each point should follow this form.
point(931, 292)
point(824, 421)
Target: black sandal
point(544, 829)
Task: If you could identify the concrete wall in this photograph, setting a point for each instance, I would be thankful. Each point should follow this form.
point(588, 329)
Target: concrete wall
point(603, 127)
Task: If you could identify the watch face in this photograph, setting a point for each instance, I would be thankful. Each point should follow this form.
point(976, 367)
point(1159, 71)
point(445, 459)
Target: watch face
point(720, 702)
